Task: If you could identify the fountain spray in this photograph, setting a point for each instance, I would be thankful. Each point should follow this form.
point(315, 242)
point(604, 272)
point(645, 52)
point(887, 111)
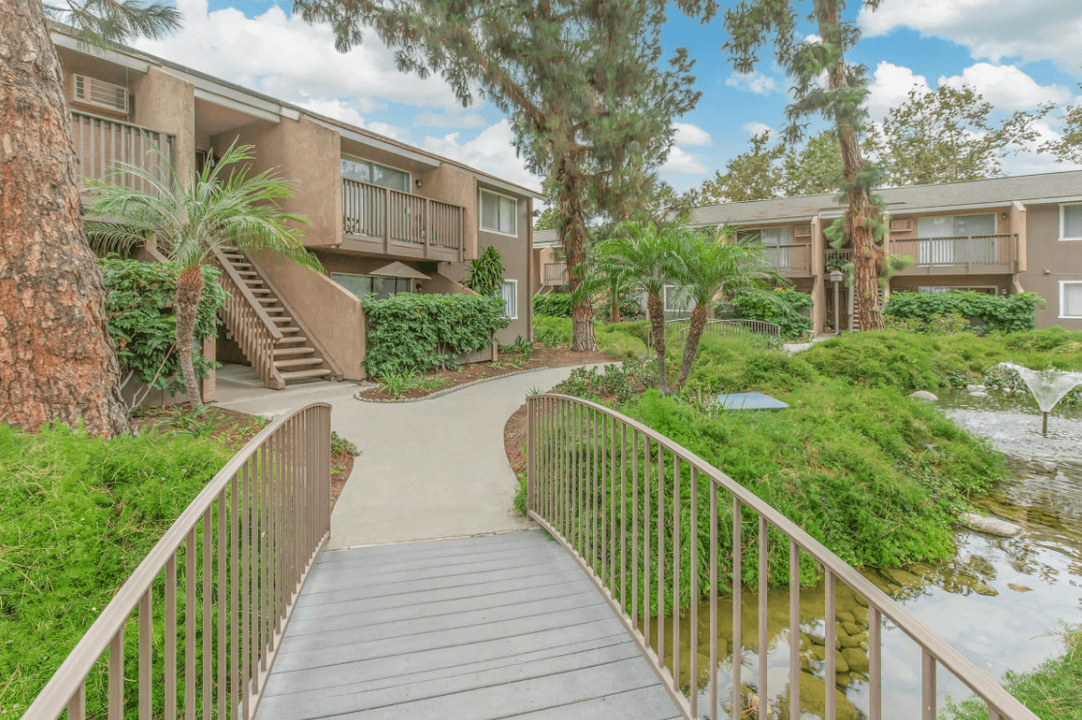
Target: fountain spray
point(1047, 387)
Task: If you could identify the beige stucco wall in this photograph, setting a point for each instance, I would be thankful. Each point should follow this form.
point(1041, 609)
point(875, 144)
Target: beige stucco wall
point(1050, 261)
point(167, 103)
point(332, 314)
point(453, 185)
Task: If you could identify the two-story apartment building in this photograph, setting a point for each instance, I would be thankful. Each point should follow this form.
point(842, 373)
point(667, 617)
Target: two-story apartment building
point(384, 217)
point(1000, 235)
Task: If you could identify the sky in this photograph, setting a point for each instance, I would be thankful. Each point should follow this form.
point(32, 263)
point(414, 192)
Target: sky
point(1016, 53)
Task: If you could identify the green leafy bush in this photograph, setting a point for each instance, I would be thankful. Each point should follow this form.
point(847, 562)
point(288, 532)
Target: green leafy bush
point(935, 324)
point(486, 273)
point(552, 305)
point(1005, 313)
point(621, 340)
point(139, 307)
point(413, 332)
point(77, 516)
point(782, 307)
point(552, 331)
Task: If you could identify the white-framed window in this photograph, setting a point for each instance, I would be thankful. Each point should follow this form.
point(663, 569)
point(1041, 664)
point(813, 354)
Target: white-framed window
point(937, 289)
point(498, 213)
point(509, 294)
point(954, 239)
point(677, 302)
point(365, 285)
point(376, 174)
point(772, 236)
point(1070, 299)
point(1070, 221)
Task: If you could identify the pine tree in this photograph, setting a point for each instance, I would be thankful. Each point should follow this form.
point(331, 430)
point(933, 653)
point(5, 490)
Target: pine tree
point(582, 82)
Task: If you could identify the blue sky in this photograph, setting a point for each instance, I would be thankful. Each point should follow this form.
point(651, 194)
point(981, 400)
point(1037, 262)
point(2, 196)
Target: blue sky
point(1017, 53)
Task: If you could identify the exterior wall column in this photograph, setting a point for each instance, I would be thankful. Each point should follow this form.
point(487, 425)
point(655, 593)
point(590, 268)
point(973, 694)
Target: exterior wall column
point(818, 260)
point(886, 253)
point(167, 103)
point(210, 347)
point(1017, 221)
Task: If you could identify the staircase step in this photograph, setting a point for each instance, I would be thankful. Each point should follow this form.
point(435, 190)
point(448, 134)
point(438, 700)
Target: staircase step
point(247, 273)
point(260, 291)
point(253, 282)
point(232, 256)
point(301, 374)
point(291, 339)
point(241, 265)
point(268, 299)
point(274, 310)
point(284, 318)
point(303, 350)
point(297, 362)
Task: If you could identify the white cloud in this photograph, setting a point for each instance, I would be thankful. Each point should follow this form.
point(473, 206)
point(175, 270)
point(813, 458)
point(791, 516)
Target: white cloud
point(288, 58)
point(492, 151)
point(891, 86)
point(449, 120)
point(1007, 87)
point(754, 81)
point(682, 163)
point(347, 113)
point(813, 39)
point(991, 29)
point(688, 134)
point(756, 128)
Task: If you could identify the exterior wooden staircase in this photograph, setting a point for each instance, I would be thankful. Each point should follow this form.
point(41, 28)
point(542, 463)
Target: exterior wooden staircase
point(269, 332)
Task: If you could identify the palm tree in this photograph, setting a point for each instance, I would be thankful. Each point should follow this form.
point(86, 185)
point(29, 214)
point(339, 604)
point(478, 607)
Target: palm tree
point(646, 256)
point(223, 205)
point(56, 358)
point(708, 263)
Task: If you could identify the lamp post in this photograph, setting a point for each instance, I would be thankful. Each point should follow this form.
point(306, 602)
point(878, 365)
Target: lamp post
point(836, 276)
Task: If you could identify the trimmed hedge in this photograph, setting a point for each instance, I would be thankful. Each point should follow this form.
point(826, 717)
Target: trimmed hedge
point(417, 332)
point(554, 305)
point(1005, 313)
point(782, 307)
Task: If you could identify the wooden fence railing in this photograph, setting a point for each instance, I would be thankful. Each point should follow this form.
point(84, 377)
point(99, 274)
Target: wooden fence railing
point(792, 259)
point(249, 324)
point(194, 631)
point(975, 252)
point(401, 217)
point(101, 144)
point(624, 501)
point(555, 274)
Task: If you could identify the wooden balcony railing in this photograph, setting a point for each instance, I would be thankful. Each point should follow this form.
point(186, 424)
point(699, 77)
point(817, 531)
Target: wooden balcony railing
point(977, 253)
point(101, 144)
point(399, 217)
point(789, 259)
point(623, 500)
point(555, 274)
point(211, 601)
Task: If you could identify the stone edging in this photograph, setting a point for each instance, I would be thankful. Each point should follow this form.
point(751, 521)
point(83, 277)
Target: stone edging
point(448, 391)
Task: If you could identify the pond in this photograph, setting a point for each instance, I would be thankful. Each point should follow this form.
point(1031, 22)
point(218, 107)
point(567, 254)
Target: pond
point(998, 601)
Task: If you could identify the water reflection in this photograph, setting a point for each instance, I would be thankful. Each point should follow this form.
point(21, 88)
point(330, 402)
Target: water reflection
point(996, 600)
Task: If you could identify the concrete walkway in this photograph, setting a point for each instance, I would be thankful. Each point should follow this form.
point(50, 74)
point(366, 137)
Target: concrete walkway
point(427, 470)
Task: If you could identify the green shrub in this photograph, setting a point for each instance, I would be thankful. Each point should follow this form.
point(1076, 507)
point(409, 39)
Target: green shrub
point(552, 331)
point(414, 332)
point(934, 324)
point(1005, 313)
point(621, 340)
point(77, 516)
point(139, 307)
point(552, 305)
point(486, 273)
point(782, 307)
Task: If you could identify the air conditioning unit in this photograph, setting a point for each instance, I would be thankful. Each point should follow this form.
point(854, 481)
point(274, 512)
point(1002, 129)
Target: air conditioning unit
point(802, 231)
point(901, 225)
point(86, 90)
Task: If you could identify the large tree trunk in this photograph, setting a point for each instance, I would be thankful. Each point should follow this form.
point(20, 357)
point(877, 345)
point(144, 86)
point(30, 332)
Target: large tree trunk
point(867, 254)
point(573, 240)
point(656, 308)
point(691, 347)
point(185, 305)
point(56, 358)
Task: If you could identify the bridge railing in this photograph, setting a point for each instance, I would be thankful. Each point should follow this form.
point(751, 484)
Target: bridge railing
point(733, 328)
point(197, 626)
point(623, 500)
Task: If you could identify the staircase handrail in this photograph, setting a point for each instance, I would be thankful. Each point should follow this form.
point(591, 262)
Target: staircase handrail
point(231, 272)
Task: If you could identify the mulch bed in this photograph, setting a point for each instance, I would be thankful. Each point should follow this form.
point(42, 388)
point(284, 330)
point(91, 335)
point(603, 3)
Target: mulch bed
point(232, 429)
point(541, 358)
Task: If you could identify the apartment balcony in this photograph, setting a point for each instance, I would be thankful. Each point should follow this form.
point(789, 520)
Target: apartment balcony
point(789, 260)
point(554, 274)
point(970, 255)
point(389, 222)
point(101, 144)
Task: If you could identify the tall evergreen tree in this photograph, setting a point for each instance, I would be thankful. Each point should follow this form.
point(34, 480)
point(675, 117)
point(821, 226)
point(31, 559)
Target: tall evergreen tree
point(581, 80)
point(823, 84)
point(56, 358)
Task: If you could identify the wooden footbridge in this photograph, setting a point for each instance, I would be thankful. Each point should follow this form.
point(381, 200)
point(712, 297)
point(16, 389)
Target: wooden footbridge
point(237, 613)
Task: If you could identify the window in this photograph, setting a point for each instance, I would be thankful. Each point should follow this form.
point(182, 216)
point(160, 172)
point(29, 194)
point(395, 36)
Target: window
point(1070, 222)
point(509, 293)
point(499, 213)
point(936, 289)
point(1070, 298)
point(677, 302)
point(956, 239)
point(778, 257)
point(369, 172)
point(381, 287)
